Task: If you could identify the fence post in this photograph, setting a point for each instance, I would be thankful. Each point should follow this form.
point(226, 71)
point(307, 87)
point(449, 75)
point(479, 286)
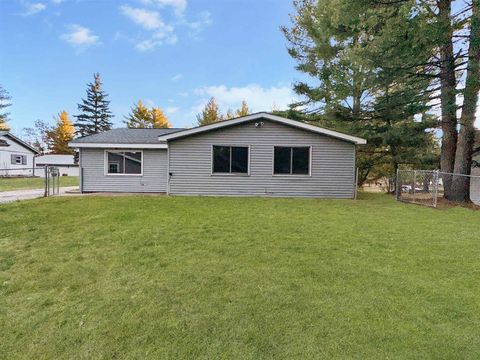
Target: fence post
point(414, 184)
point(46, 182)
point(397, 183)
point(435, 178)
point(356, 184)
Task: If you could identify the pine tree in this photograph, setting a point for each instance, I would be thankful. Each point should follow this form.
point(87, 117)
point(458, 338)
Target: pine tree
point(94, 114)
point(159, 120)
point(243, 111)
point(142, 117)
point(4, 103)
point(59, 136)
point(210, 113)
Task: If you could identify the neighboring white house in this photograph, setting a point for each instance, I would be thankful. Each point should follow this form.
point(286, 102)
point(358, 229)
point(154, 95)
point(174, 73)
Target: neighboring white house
point(65, 164)
point(17, 158)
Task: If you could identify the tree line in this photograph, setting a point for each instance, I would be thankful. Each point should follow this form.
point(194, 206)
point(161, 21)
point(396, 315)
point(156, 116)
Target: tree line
point(95, 117)
point(399, 73)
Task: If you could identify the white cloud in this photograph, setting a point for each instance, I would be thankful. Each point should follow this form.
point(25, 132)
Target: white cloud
point(178, 6)
point(171, 109)
point(34, 8)
point(257, 97)
point(80, 37)
point(177, 77)
point(203, 20)
point(162, 33)
point(147, 19)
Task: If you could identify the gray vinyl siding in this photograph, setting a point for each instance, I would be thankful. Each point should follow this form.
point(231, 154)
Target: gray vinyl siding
point(332, 163)
point(154, 178)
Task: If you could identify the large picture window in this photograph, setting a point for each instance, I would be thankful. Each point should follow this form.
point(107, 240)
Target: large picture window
point(291, 160)
point(230, 159)
point(124, 162)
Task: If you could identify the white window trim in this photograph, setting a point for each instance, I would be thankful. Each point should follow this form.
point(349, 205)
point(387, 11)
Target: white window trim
point(105, 162)
point(310, 152)
point(229, 174)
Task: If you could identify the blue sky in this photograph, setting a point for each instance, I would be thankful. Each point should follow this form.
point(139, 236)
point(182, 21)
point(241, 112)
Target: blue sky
point(174, 54)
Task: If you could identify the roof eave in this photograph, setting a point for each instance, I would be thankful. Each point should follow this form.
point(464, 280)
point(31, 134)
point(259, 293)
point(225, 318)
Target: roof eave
point(116, 146)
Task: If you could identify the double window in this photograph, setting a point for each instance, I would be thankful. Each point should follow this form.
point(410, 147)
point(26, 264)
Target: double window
point(124, 162)
point(291, 160)
point(230, 159)
point(18, 159)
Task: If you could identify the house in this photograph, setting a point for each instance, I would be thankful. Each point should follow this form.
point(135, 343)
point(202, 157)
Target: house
point(258, 154)
point(64, 163)
point(17, 158)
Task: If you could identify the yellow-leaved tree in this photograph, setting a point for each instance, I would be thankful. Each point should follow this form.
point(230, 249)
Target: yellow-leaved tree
point(244, 110)
point(141, 117)
point(58, 137)
point(210, 113)
point(159, 120)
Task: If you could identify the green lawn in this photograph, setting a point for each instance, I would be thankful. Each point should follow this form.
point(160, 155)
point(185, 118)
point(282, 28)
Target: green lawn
point(7, 184)
point(251, 278)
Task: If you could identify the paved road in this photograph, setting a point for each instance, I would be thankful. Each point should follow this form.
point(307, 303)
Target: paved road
point(9, 196)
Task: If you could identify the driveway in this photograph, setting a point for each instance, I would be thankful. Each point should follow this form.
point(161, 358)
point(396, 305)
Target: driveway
point(14, 195)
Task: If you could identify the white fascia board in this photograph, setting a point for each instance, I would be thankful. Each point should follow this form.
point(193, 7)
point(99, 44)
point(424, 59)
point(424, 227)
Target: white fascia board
point(275, 118)
point(117, 146)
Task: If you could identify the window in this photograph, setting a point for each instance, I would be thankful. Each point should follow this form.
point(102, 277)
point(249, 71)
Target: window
point(230, 159)
point(124, 162)
point(291, 160)
point(18, 159)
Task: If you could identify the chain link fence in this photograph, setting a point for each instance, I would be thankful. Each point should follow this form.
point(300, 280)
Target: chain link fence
point(427, 187)
point(37, 181)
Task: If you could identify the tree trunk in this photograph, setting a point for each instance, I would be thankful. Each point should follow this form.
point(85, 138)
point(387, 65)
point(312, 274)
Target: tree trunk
point(447, 95)
point(466, 136)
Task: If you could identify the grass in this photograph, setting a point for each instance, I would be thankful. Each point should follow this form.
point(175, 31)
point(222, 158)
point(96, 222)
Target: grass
point(252, 278)
point(26, 183)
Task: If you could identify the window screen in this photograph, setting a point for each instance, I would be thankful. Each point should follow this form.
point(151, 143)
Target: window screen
point(124, 162)
point(291, 160)
point(230, 159)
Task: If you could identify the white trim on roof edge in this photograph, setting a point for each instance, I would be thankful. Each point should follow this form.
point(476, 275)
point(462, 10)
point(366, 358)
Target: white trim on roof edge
point(117, 146)
point(263, 115)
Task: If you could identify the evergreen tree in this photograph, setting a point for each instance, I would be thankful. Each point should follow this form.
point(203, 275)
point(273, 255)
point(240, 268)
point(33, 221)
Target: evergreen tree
point(4, 103)
point(94, 114)
point(60, 135)
point(142, 117)
point(209, 114)
point(243, 111)
point(362, 88)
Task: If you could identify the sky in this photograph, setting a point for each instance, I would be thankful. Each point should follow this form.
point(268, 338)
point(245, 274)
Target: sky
point(174, 54)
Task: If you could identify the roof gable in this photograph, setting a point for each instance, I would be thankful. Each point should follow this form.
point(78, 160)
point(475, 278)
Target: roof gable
point(259, 116)
point(18, 141)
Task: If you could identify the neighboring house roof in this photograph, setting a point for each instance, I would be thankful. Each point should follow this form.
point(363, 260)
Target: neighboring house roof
point(19, 141)
point(124, 138)
point(259, 116)
point(54, 159)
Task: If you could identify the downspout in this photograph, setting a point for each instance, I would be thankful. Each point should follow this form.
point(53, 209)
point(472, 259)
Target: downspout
point(168, 169)
point(80, 170)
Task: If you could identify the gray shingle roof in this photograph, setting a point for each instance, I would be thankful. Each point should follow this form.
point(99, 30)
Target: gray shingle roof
point(125, 136)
